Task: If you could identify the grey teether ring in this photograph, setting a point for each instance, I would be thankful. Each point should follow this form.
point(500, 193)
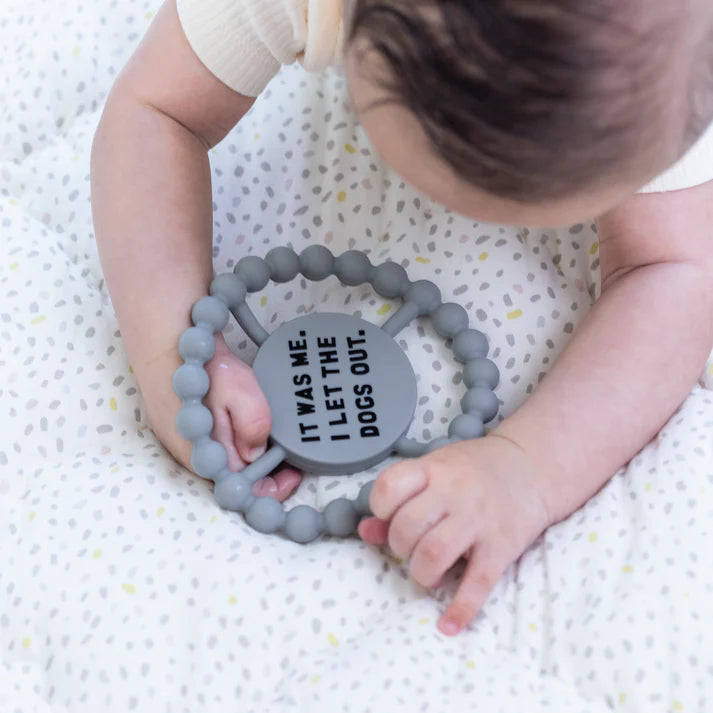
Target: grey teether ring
point(341, 391)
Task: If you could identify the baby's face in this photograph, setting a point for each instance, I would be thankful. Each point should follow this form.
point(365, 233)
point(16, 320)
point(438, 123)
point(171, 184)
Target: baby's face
point(401, 142)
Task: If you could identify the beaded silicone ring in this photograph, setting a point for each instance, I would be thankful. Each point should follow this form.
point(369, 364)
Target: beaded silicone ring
point(341, 391)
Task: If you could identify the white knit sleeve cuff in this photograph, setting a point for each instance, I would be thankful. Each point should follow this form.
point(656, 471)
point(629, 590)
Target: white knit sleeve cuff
point(244, 42)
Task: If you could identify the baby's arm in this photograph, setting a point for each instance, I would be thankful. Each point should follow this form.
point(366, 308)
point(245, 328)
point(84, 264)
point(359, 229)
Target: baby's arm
point(637, 354)
point(152, 204)
point(627, 368)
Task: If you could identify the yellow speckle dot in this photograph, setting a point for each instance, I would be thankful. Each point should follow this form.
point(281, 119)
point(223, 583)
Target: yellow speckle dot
point(383, 309)
point(422, 260)
point(648, 487)
point(315, 678)
point(532, 626)
point(514, 314)
point(425, 620)
point(483, 256)
point(37, 320)
point(96, 554)
point(332, 639)
point(13, 201)
point(112, 404)
point(256, 136)
point(76, 51)
point(710, 368)
point(627, 569)
point(341, 196)
point(594, 248)
point(470, 664)
point(74, 159)
point(26, 642)
point(131, 369)
point(232, 600)
point(160, 512)
point(592, 537)
point(349, 148)
point(622, 698)
point(677, 706)
point(149, 15)
point(32, 516)
point(15, 265)
point(116, 469)
point(263, 301)
point(128, 588)
point(213, 519)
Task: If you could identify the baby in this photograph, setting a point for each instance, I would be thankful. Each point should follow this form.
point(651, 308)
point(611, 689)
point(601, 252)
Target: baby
point(506, 111)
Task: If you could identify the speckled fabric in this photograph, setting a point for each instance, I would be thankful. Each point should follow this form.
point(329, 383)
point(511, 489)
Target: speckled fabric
point(123, 587)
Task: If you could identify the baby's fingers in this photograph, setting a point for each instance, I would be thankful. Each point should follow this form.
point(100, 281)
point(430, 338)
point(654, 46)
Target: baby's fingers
point(223, 433)
point(479, 578)
point(439, 549)
point(250, 414)
point(280, 485)
point(394, 486)
point(373, 530)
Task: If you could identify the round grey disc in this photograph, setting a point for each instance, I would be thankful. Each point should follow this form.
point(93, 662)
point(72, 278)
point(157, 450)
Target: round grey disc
point(341, 391)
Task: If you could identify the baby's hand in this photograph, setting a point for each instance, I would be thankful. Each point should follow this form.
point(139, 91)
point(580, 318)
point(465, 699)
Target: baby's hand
point(480, 499)
point(242, 419)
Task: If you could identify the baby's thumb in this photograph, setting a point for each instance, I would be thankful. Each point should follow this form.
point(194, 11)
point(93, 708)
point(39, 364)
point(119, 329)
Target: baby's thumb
point(250, 416)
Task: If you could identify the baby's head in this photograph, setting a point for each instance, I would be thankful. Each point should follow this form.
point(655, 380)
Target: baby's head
point(531, 111)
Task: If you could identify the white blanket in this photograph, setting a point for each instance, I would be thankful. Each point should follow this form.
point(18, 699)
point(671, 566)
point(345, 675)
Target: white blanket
point(124, 587)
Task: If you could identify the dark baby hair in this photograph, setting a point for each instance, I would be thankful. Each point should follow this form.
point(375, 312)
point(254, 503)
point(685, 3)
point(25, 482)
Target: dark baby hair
point(528, 99)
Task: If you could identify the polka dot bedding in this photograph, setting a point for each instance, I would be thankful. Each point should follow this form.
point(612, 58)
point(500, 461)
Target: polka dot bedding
point(123, 586)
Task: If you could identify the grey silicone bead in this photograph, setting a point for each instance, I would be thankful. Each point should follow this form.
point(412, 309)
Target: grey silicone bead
point(253, 271)
point(211, 311)
point(222, 474)
point(229, 289)
point(283, 263)
point(437, 443)
point(194, 421)
point(190, 381)
point(208, 458)
point(410, 448)
point(316, 262)
point(481, 372)
point(425, 295)
point(469, 344)
point(390, 280)
point(466, 426)
point(352, 268)
point(303, 524)
point(449, 319)
point(362, 502)
point(197, 344)
point(340, 518)
point(265, 514)
point(482, 401)
point(234, 493)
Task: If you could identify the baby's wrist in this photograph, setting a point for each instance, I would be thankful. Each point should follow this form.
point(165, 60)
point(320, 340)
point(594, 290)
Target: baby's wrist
point(540, 472)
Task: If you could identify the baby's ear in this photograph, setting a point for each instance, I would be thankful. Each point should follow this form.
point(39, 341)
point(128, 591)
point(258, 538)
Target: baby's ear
point(164, 72)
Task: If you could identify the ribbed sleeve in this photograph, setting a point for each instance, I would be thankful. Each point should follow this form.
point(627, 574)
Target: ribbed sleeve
point(694, 168)
point(244, 42)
